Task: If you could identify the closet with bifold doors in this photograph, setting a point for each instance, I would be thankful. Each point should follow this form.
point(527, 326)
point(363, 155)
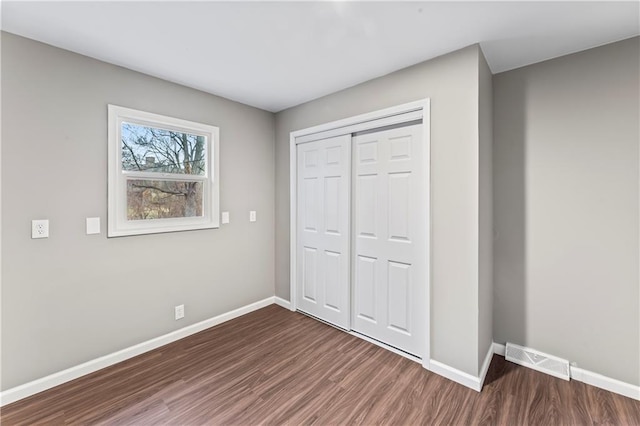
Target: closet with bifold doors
point(360, 226)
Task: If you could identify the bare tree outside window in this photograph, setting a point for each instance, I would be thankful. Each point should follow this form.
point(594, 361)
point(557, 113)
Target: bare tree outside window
point(149, 149)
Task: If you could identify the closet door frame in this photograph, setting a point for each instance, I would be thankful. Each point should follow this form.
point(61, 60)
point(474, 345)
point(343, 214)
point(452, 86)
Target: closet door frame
point(395, 115)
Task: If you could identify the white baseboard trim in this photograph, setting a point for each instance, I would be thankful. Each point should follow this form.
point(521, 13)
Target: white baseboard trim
point(499, 349)
point(593, 379)
point(48, 382)
point(485, 366)
point(606, 383)
point(281, 302)
point(458, 376)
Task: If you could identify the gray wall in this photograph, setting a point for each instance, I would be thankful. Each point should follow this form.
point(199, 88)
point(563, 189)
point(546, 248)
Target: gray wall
point(566, 208)
point(74, 297)
point(485, 219)
point(451, 82)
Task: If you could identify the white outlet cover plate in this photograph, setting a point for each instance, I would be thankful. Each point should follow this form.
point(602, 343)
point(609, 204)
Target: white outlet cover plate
point(93, 225)
point(40, 228)
point(225, 217)
point(252, 216)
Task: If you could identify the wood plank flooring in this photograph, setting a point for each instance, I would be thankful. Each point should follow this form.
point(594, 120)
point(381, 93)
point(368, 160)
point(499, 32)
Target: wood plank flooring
point(277, 367)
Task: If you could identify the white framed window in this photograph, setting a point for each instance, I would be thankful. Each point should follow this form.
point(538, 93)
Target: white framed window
point(163, 174)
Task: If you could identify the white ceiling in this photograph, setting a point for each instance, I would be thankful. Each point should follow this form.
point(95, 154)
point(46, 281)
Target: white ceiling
point(276, 55)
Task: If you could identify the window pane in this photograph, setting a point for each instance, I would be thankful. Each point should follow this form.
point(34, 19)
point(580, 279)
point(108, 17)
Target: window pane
point(162, 199)
point(152, 149)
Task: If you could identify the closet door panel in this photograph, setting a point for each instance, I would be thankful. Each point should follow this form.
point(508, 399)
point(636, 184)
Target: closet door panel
point(323, 230)
point(309, 274)
point(365, 289)
point(399, 294)
point(391, 227)
point(333, 292)
point(367, 221)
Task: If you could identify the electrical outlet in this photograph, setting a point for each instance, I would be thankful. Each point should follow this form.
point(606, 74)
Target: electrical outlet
point(252, 216)
point(40, 228)
point(179, 311)
point(225, 217)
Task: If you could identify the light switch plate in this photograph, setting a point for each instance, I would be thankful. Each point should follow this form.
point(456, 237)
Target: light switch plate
point(252, 216)
point(225, 217)
point(93, 225)
point(179, 312)
point(40, 228)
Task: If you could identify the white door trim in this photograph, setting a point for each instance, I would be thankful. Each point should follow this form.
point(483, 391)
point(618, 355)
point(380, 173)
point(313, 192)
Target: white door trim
point(368, 121)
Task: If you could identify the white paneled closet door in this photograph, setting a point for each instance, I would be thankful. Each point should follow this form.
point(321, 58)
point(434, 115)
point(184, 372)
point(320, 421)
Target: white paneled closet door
point(323, 229)
point(390, 238)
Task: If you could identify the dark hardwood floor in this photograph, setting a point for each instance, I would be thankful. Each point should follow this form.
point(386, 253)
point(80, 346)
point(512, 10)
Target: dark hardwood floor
point(277, 367)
